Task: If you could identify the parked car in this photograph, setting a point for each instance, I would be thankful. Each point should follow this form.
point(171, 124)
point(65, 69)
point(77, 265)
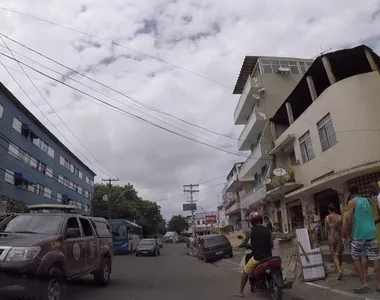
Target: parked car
point(47, 245)
point(159, 239)
point(214, 246)
point(148, 247)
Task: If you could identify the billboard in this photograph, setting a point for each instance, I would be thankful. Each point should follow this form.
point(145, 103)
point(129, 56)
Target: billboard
point(210, 219)
point(189, 206)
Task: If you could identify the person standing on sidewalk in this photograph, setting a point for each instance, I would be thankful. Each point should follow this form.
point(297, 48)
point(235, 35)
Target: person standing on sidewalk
point(363, 236)
point(364, 257)
point(333, 229)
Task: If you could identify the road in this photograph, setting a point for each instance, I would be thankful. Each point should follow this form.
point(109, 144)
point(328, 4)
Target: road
point(173, 275)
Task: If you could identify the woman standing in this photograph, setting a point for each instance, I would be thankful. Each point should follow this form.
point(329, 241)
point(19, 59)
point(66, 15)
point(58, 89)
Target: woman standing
point(333, 230)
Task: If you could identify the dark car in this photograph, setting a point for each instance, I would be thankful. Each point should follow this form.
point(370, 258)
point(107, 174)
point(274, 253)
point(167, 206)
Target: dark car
point(42, 250)
point(214, 246)
point(149, 247)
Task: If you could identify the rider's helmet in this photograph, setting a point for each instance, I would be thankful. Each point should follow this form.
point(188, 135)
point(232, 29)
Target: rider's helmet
point(255, 218)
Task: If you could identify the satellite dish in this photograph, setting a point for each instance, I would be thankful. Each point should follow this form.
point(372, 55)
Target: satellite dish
point(268, 181)
point(279, 172)
point(283, 69)
point(260, 209)
point(257, 97)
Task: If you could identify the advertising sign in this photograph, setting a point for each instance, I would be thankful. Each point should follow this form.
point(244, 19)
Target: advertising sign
point(189, 206)
point(210, 219)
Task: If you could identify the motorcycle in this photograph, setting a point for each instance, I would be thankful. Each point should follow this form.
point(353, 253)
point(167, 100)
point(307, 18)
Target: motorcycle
point(267, 278)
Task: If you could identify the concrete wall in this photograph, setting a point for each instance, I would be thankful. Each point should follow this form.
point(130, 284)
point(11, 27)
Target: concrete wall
point(354, 106)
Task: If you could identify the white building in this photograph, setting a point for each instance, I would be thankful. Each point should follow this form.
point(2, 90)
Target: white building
point(263, 84)
point(327, 130)
point(318, 121)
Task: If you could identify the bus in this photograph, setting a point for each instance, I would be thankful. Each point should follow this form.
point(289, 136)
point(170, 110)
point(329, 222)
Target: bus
point(126, 235)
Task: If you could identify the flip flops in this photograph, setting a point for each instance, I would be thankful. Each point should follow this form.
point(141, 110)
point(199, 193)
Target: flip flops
point(361, 290)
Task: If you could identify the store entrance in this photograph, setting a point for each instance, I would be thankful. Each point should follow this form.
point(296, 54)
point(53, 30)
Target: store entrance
point(296, 218)
point(322, 201)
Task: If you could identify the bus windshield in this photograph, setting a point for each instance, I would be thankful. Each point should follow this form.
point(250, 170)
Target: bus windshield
point(119, 230)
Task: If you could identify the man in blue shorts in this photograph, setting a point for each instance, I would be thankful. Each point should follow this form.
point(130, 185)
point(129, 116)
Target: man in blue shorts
point(359, 218)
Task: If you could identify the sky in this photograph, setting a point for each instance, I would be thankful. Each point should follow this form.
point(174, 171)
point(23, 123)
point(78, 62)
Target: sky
point(172, 63)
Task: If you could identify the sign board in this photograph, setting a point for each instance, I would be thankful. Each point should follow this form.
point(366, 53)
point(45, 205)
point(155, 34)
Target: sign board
point(211, 219)
point(189, 206)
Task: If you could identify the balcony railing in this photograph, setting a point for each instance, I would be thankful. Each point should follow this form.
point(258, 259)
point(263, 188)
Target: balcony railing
point(233, 208)
point(252, 129)
point(277, 181)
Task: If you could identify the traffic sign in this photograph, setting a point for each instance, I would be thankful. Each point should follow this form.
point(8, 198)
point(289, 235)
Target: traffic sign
point(189, 206)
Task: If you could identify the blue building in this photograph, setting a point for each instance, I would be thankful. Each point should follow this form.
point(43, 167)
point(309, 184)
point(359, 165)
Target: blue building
point(35, 167)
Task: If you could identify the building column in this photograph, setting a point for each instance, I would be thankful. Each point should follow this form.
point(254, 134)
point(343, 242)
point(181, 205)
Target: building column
point(329, 72)
point(310, 83)
point(290, 112)
point(371, 61)
point(284, 214)
point(273, 131)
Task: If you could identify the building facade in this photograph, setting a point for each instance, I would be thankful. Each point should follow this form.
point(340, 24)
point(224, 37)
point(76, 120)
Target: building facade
point(35, 167)
point(327, 132)
point(263, 85)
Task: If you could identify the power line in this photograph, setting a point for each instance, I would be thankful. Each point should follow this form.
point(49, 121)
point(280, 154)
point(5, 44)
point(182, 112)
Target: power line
point(124, 111)
point(174, 190)
point(112, 89)
point(117, 44)
point(149, 107)
point(47, 117)
point(63, 122)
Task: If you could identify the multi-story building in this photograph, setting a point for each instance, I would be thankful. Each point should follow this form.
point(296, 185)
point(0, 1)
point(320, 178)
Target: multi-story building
point(201, 224)
point(327, 130)
point(263, 84)
point(35, 167)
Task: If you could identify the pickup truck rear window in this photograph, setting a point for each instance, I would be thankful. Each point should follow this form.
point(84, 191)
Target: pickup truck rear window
point(103, 229)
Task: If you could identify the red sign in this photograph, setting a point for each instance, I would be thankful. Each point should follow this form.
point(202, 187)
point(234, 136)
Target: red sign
point(210, 219)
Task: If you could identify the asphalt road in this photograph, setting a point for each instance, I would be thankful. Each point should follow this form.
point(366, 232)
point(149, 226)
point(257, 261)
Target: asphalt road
point(173, 275)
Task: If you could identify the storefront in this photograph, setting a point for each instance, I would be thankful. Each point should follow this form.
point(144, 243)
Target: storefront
point(295, 215)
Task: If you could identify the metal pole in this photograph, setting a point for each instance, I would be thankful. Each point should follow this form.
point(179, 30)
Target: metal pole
point(110, 180)
point(191, 190)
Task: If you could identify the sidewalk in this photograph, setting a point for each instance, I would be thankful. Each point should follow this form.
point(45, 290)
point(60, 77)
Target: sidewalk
point(332, 289)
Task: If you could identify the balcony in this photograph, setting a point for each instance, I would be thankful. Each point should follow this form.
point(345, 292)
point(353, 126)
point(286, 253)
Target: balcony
point(232, 185)
point(281, 185)
point(253, 197)
point(256, 160)
point(234, 208)
point(252, 130)
point(246, 101)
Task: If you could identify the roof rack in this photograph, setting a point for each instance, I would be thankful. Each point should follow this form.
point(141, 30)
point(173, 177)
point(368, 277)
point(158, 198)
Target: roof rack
point(53, 208)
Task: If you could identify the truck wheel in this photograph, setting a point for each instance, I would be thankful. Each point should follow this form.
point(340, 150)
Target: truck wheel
point(54, 287)
point(103, 274)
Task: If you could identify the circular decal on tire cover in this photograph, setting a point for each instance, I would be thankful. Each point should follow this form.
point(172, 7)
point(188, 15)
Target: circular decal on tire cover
point(76, 251)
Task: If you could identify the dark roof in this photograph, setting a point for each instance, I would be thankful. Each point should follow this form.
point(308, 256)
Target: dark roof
point(246, 69)
point(47, 131)
point(342, 69)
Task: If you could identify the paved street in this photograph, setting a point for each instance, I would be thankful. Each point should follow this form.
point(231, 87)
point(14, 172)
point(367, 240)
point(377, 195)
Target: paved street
point(170, 276)
point(174, 275)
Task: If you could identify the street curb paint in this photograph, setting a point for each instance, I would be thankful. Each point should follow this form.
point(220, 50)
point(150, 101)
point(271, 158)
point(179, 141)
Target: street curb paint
point(343, 293)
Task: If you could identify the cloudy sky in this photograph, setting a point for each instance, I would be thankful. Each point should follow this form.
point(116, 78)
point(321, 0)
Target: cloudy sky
point(176, 61)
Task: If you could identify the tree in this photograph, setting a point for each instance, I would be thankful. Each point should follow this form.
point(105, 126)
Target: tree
point(124, 203)
point(13, 205)
point(178, 224)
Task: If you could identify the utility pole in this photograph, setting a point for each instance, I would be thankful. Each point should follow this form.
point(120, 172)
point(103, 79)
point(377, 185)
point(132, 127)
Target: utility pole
point(191, 190)
point(110, 180)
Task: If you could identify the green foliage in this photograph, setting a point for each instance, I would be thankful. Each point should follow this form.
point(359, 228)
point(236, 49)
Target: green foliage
point(124, 203)
point(178, 224)
point(13, 205)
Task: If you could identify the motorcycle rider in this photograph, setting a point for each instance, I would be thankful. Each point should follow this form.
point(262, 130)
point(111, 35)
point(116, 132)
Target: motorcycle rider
point(261, 247)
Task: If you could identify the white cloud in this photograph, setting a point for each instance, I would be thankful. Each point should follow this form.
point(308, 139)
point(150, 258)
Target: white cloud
point(207, 37)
